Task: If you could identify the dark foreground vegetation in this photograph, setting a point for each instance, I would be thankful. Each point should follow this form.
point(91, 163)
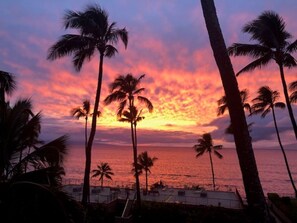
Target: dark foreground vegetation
point(170, 212)
point(286, 205)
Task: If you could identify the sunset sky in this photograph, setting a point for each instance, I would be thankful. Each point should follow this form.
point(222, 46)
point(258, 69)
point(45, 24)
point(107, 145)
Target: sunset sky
point(168, 42)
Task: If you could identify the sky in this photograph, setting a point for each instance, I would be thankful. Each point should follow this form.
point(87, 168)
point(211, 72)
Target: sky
point(168, 42)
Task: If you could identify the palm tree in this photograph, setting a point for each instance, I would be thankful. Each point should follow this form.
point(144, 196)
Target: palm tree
point(244, 148)
point(268, 30)
point(146, 162)
point(95, 34)
point(293, 89)
point(7, 84)
point(263, 104)
point(222, 107)
point(222, 102)
point(103, 170)
point(205, 145)
point(84, 111)
point(124, 90)
point(31, 170)
point(19, 132)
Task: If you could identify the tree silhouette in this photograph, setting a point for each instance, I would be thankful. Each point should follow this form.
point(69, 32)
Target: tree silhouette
point(244, 148)
point(95, 34)
point(124, 90)
point(268, 30)
point(103, 171)
point(146, 162)
point(84, 112)
point(7, 85)
point(222, 107)
point(293, 89)
point(205, 145)
point(263, 104)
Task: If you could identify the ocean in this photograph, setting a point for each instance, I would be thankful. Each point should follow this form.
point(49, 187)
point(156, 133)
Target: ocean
point(179, 167)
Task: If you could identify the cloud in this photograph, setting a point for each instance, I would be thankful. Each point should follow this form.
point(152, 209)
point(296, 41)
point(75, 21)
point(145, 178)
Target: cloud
point(167, 41)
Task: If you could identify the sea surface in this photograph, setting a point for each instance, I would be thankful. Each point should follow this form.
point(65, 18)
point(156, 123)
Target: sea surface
point(179, 167)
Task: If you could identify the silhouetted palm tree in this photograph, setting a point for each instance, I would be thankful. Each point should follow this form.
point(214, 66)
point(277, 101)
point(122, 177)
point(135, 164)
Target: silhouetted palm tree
point(205, 145)
point(124, 90)
point(293, 89)
point(146, 162)
point(133, 116)
point(95, 34)
point(103, 170)
point(244, 148)
point(263, 104)
point(85, 112)
point(7, 84)
point(222, 107)
point(31, 170)
point(268, 30)
point(19, 133)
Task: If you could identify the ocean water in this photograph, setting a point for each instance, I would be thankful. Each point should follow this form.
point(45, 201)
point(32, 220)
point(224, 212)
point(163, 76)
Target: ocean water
point(179, 167)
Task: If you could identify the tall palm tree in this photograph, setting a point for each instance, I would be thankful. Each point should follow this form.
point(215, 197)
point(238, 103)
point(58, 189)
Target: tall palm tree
point(293, 89)
point(146, 162)
point(124, 90)
point(269, 31)
point(222, 107)
point(95, 34)
point(103, 170)
point(133, 116)
point(205, 145)
point(244, 148)
point(85, 112)
point(266, 102)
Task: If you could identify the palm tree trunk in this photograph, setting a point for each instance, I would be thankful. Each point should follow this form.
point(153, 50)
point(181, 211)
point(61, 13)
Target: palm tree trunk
point(88, 152)
point(138, 199)
point(146, 182)
point(102, 182)
point(283, 151)
point(212, 171)
point(248, 166)
point(86, 132)
point(290, 110)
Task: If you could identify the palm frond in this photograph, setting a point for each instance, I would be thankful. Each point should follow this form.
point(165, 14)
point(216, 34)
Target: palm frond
point(7, 82)
point(268, 29)
point(253, 50)
point(110, 51)
point(258, 63)
point(293, 97)
point(293, 86)
point(219, 155)
point(50, 154)
point(115, 96)
point(77, 113)
point(49, 175)
point(138, 91)
point(289, 61)
point(280, 105)
point(66, 45)
point(147, 103)
point(292, 47)
point(265, 112)
point(123, 34)
point(80, 56)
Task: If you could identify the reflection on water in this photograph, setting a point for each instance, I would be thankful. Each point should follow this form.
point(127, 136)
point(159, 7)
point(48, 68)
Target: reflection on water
point(179, 167)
